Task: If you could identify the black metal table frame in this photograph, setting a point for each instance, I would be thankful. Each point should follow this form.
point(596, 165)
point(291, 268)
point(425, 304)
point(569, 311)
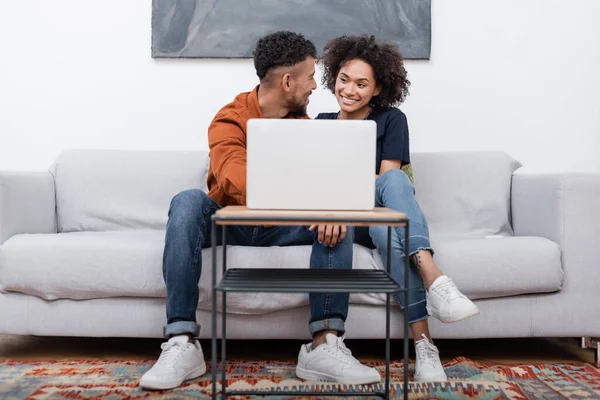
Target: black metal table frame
point(224, 393)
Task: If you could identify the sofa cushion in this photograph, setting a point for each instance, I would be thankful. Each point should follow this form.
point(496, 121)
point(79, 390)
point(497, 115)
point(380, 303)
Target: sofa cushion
point(498, 267)
point(85, 265)
point(465, 194)
point(100, 190)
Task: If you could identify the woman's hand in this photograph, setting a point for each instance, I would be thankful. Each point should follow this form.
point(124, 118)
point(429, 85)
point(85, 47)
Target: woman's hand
point(329, 235)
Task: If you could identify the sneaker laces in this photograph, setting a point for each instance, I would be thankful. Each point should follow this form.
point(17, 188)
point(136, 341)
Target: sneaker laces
point(427, 353)
point(342, 351)
point(448, 290)
point(171, 352)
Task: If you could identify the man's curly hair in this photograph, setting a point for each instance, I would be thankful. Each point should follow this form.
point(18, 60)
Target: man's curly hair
point(281, 49)
point(385, 59)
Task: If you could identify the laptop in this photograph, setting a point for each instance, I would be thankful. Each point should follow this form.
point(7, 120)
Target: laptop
point(302, 164)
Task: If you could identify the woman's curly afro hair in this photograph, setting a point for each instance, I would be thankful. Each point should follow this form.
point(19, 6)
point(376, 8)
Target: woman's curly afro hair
point(281, 49)
point(385, 59)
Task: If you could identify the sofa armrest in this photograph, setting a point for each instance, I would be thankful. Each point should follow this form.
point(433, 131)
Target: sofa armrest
point(27, 203)
point(564, 208)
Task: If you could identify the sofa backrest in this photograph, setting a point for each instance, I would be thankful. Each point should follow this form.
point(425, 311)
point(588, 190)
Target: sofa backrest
point(465, 194)
point(99, 190)
point(462, 194)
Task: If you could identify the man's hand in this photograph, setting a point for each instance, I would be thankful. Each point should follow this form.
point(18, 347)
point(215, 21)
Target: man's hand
point(329, 235)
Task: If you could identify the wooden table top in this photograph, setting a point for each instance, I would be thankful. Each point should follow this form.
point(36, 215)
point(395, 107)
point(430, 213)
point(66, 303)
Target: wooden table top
point(241, 215)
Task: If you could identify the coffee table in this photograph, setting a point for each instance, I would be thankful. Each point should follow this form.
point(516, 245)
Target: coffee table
point(304, 280)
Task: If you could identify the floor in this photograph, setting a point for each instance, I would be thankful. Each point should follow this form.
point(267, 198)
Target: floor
point(29, 348)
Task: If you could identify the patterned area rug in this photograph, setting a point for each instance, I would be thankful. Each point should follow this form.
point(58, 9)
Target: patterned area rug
point(467, 379)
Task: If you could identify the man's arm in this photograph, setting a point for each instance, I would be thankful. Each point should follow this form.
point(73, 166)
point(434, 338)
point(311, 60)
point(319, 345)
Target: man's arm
point(227, 144)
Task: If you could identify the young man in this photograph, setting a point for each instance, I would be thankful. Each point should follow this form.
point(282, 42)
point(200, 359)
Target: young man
point(285, 65)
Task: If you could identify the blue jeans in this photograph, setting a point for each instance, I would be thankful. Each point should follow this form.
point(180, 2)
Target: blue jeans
point(189, 231)
point(394, 190)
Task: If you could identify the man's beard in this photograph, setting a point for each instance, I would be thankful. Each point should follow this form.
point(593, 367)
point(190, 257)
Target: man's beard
point(297, 108)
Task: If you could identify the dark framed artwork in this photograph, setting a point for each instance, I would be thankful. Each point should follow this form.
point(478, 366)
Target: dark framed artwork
point(230, 28)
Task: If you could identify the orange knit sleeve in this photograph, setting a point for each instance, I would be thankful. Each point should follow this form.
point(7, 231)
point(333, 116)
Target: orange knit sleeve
point(227, 144)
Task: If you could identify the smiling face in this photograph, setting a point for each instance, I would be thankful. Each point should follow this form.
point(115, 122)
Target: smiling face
point(302, 83)
point(355, 86)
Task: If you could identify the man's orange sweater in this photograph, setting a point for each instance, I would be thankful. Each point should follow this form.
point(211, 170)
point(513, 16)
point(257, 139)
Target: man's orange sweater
point(227, 143)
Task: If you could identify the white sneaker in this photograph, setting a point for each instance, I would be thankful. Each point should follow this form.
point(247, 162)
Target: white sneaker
point(428, 367)
point(446, 303)
point(333, 361)
point(180, 360)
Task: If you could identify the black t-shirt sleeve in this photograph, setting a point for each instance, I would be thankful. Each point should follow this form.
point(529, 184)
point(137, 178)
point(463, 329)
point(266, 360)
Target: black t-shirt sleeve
point(395, 138)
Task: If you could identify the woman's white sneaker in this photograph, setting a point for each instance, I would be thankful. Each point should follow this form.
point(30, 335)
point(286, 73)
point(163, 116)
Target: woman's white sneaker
point(428, 367)
point(446, 303)
point(179, 361)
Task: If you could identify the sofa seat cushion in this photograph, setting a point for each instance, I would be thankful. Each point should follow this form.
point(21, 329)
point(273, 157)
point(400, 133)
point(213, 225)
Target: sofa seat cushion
point(86, 265)
point(497, 267)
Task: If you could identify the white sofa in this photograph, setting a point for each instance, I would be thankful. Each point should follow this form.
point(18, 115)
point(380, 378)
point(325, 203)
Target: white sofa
point(81, 250)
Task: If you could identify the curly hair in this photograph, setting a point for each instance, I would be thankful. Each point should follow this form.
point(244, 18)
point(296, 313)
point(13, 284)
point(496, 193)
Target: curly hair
point(385, 59)
point(281, 49)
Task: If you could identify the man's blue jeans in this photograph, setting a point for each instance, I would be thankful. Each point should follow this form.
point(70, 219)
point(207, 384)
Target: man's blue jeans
point(394, 190)
point(189, 231)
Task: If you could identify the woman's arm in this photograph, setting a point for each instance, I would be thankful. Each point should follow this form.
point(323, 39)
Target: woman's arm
point(387, 165)
point(395, 147)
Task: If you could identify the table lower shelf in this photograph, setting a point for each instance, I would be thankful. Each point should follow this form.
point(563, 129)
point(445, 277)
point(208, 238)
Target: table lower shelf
point(307, 281)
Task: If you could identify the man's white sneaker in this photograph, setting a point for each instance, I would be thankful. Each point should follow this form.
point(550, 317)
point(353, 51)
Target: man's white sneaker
point(446, 303)
point(333, 361)
point(180, 360)
point(428, 367)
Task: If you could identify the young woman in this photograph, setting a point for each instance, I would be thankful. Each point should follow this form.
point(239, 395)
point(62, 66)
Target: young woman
point(368, 80)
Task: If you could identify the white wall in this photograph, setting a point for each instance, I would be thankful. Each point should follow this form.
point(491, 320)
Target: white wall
point(518, 75)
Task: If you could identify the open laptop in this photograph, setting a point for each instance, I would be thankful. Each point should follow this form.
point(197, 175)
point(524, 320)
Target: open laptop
point(302, 164)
